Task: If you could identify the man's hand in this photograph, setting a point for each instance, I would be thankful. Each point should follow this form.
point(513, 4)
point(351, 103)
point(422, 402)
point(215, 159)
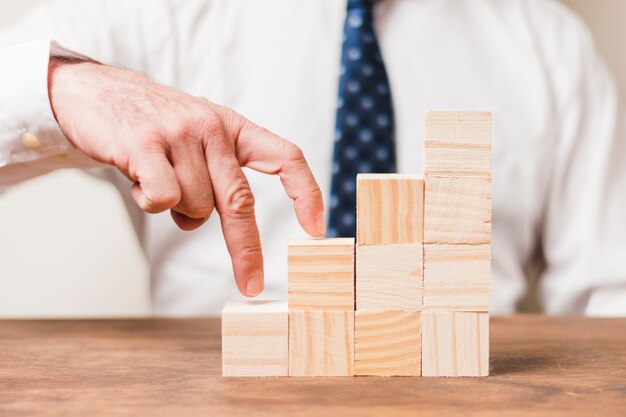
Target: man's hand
point(184, 154)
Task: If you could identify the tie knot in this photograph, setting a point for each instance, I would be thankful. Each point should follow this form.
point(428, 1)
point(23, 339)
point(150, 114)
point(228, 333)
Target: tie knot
point(365, 5)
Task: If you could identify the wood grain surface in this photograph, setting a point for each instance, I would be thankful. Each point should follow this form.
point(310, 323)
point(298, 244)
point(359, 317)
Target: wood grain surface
point(457, 210)
point(389, 277)
point(457, 143)
point(157, 367)
point(457, 277)
point(255, 338)
point(389, 209)
point(321, 274)
point(388, 343)
point(455, 343)
point(321, 343)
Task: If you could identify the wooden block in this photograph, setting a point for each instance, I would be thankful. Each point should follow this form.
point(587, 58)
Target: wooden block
point(455, 343)
point(390, 209)
point(321, 343)
point(255, 338)
point(389, 277)
point(387, 343)
point(457, 143)
point(457, 210)
point(456, 277)
point(468, 126)
point(321, 274)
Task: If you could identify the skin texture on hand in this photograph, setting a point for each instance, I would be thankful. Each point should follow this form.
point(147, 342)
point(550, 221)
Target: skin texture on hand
point(183, 154)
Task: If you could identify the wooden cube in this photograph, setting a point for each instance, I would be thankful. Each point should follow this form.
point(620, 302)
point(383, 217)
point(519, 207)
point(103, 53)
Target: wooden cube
point(321, 343)
point(456, 277)
point(387, 343)
point(457, 210)
point(457, 143)
point(389, 277)
point(255, 338)
point(321, 274)
point(455, 343)
point(390, 209)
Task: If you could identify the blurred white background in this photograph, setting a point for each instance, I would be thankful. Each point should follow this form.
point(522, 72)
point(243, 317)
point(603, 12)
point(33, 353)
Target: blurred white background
point(67, 248)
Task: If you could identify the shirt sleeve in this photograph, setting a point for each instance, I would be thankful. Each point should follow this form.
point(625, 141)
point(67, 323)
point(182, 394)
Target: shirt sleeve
point(583, 233)
point(28, 129)
point(31, 142)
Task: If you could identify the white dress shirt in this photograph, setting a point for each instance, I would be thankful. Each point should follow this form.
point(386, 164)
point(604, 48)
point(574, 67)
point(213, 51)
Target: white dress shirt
point(559, 144)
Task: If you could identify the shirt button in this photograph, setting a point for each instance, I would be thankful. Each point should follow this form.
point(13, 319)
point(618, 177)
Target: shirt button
point(30, 140)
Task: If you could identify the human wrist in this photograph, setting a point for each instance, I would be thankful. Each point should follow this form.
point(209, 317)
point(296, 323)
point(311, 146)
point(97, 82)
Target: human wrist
point(62, 78)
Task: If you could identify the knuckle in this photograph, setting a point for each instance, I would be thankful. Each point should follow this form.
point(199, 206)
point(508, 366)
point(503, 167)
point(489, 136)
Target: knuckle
point(117, 157)
point(197, 210)
point(239, 200)
point(148, 144)
point(206, 124)
point(252, 250)
point(161, 200)
point(293, 152)
point(315, 191)
point(199, 126)
point(180, 130)
point(230, 117)
point(150, 207)
point(234, 123)
point(150, 139)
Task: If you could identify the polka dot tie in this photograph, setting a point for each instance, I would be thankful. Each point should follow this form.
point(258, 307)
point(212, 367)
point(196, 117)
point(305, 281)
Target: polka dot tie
point(364, 134)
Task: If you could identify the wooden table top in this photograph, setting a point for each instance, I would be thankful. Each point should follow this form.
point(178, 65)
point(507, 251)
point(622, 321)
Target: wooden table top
point(161, 367)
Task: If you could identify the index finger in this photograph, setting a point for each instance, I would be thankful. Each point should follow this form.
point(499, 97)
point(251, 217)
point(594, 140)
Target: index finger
point(259, 149)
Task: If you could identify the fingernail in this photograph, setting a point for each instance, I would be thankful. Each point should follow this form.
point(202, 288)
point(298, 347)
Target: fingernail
point(321, 223)
point(254, 286)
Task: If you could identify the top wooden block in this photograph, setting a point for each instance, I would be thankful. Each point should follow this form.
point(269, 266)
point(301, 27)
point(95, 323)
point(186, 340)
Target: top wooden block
point(457, 143)
point(321, 274)
point(390, 209)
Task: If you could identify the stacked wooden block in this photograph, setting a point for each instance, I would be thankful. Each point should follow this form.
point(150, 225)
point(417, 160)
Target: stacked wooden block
point(321, 307)
point(310, 335)
point(410, 297)
point(457, 244)
point(389, 268)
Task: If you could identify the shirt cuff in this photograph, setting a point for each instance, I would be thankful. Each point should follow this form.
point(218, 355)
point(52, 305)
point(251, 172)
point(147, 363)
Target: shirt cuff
point(28, 128)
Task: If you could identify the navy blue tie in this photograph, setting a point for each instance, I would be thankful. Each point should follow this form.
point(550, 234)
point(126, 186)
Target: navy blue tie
point(364, 134)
